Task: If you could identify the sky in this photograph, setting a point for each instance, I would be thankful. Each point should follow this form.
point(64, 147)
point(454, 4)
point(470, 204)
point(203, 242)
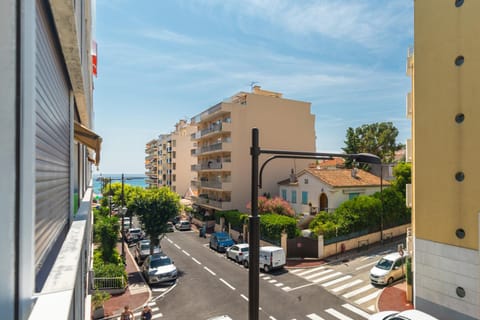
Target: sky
point(160, 61)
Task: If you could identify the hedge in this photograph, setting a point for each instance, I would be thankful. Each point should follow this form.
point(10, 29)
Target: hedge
point(272, 225)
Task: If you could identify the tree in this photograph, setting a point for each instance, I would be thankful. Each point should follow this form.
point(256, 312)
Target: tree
point(376, 138)
point(403, 176)
point(273, 205)
point(155, 207)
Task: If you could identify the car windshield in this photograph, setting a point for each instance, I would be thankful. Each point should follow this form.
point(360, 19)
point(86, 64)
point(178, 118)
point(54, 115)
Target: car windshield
point(384, 264)
point(160, 262)
point(223, 238)
point(244, 249)
point(145, 247)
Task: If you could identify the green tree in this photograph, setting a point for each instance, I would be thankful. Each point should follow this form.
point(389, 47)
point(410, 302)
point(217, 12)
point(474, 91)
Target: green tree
point(403, 176)
point(359, 213)
point(155, 207)
point(106, 230)
point(394, 210)
point(376, 138)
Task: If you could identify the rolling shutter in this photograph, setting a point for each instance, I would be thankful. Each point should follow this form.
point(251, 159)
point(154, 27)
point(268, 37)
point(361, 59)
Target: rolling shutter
point(52, 141)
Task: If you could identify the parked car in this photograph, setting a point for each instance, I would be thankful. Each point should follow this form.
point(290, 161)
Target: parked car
point(220, 241)
point(271, 257)
point(183, 225)
point(127, 224)
point(237, 252)
point(159, 268)
point(170, 227)
point(134, 235)
point(142, 251)
point(404, 315)
point(388, 269)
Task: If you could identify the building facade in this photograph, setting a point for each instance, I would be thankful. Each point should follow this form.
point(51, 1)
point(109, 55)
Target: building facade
point(224, 139)
point(324, 188)
point(47, 154)
point(169, 159)
point(446, 149)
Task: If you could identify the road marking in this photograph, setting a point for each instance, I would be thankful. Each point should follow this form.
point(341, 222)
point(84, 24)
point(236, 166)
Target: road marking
point(366, 265)
point(347, 285)
point(227, 284)
point(186, 253)
point(294, 271)
point(313, 316)
point(272, 318)
point(327, 277)
point(169, 240)
point(337, 314)
point(178, 247)
point(318, 274)
point(279, 284)
point(266, 278)
point(213, 273)
point(198, 262)
point(158, 315)
point(305, 285)
point(244, 297)
point(371, 308)
point(272, 281)
point(310, 271)
point(151, 304)
point(356, 310)
point(164, 293)
point(159, 289)
point(286, 289)
point(336, 281)
point(369, 297)
point(359, 290)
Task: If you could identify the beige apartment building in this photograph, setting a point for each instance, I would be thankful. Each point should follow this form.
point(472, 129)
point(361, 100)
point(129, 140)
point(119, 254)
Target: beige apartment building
point(223, 138)
point(446, 150)
point(151, 163)
point(169, 159)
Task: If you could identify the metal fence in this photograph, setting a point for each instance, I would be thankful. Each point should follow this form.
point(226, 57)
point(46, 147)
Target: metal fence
point(109, 283)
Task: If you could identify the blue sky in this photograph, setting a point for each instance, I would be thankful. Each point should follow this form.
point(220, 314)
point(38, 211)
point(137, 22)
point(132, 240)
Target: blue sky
point(162, 61)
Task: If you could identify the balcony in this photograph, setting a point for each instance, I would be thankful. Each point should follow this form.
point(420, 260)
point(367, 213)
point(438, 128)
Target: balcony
point(225, 185)
point(410, 62)
point(216, 204)
point(214, 165)
point(225, 145)
point(217, 110)
point(213, 129)
point(409, 105)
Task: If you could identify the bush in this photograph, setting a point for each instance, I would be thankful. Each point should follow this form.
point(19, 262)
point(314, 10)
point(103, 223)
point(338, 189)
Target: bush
point(272, 225)
point(108, 269)
point(234, 217)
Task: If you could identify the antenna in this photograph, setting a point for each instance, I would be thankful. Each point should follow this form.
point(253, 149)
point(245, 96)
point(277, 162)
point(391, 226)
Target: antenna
point(252, 84)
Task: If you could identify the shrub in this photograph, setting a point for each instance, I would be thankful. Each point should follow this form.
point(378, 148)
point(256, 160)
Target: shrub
point(272, 225)
point(275, 205)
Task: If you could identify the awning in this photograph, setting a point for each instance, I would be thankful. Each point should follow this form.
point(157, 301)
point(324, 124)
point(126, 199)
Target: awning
point(89, 138)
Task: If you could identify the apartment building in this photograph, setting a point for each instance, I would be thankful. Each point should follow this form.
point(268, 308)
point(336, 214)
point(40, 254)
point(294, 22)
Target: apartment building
point(169, 159)
point(48, 149)
point(151, 163)
point(224, 139)
point(446, 148)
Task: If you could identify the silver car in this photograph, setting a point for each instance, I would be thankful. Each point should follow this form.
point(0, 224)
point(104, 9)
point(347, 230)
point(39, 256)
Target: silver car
point(142, 251)
point(159, 268)
point(237, 252)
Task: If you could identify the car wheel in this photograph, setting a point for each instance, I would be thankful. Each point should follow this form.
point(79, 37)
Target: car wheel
point(389, 281)
point(245, 263)
point(266, 268)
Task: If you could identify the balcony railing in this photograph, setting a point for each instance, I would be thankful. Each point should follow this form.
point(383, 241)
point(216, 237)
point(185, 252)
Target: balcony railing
point(219, 204)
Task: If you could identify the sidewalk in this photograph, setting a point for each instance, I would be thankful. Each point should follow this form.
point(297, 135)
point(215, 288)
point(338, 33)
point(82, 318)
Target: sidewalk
point(137, 294)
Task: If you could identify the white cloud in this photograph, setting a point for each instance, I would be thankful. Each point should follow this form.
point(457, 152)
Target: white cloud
point(167, 35)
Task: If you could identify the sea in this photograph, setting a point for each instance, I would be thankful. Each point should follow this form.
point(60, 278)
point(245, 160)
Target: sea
point(131, 179)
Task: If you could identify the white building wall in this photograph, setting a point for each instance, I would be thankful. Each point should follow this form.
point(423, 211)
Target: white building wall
point(440, 271)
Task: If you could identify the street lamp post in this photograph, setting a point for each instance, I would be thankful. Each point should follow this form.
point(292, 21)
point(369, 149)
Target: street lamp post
point(254, 220)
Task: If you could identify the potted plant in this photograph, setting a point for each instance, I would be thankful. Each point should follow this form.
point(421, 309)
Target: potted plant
point(98, 298)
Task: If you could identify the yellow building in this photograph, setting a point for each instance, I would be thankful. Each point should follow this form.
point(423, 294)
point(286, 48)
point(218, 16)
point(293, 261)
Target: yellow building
point(446, 153)
point(224, 139)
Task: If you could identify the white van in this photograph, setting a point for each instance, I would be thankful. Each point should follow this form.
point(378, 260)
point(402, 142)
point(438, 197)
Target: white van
point(388, 269)
point(271, 257)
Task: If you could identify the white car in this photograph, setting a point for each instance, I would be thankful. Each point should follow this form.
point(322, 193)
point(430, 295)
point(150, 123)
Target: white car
point(388, 269)
point(404, 315)
point(237, 252)
point(159, 268)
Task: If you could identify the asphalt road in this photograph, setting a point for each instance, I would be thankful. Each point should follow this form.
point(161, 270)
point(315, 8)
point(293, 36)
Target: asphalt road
point(210, 285)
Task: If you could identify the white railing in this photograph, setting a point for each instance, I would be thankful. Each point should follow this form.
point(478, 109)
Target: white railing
point(108, 283)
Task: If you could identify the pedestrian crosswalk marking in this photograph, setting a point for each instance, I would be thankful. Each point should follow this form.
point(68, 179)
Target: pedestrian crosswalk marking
point(366, 265)
point(356, 310)
point(369, 297)
point(359, 290)
point(278, 284)
point(309, 271)
point(318, 274)
point(371, 308)
point(326, 277)
point(157, 315)
point(286, 288)
point(337, 314)
point(347, 285)
point(328, 284)
point(313, 316)
point(272, 281)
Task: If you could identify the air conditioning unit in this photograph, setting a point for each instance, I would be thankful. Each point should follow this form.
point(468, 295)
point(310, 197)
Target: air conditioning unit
point(409, 195)
point(409, 105)
point(409, 151)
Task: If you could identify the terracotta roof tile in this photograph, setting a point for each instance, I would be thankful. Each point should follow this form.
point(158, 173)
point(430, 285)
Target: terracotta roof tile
point(343, 177)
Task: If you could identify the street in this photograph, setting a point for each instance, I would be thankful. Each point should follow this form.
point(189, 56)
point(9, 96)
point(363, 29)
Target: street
point(210, 285)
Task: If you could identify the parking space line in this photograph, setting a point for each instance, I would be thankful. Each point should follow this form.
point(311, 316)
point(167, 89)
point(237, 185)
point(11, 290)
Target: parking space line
point(198, 262)
point(186, 253)
point(178, 247)
point(244, 297)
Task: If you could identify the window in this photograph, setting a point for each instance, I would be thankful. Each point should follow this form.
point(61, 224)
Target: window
point(284, 194)
point(304, 197)
point(353, 195)
point(294, 196)
point(305, 181)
